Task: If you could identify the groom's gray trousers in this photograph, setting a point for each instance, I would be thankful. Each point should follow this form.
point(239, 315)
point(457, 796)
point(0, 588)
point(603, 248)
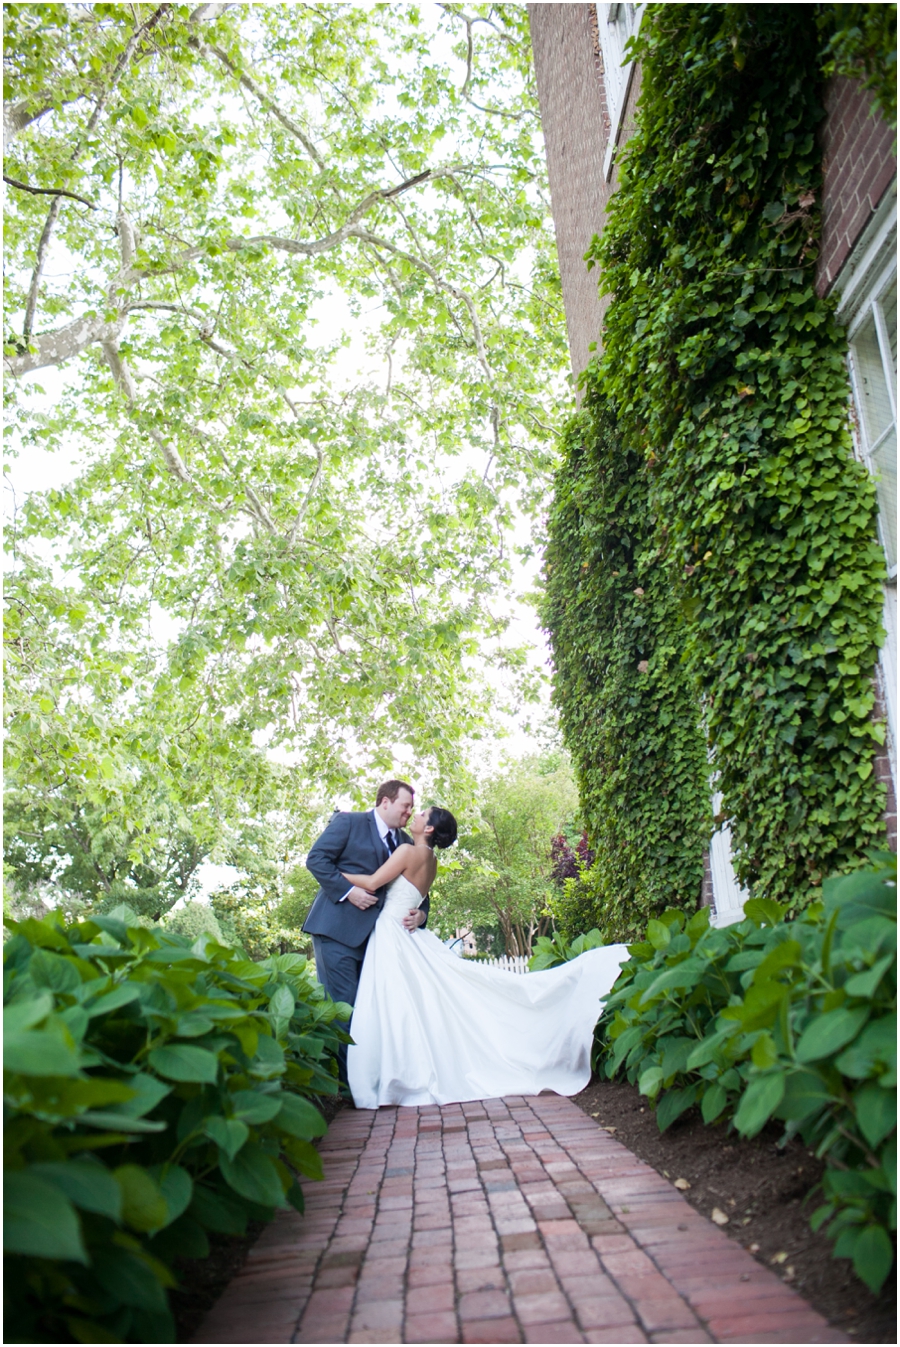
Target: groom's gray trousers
point(338, 968)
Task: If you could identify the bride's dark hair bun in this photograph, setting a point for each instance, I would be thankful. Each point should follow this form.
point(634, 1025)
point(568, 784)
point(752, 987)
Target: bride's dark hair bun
point(444, 825)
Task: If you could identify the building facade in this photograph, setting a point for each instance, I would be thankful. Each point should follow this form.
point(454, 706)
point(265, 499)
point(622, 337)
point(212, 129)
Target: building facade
point(588, 98)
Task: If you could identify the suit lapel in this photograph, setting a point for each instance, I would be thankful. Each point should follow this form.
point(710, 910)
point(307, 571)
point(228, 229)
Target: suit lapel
point(380, 848)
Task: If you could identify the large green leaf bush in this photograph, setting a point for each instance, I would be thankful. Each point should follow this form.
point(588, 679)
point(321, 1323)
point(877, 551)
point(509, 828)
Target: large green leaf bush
point(154, 1090)
point(773, 1019)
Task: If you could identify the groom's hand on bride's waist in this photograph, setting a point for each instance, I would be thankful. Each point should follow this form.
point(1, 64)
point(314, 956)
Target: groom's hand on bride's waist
point(361, 898)
point(415, 917)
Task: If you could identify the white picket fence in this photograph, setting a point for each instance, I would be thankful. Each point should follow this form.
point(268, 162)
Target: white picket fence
point(515, 963)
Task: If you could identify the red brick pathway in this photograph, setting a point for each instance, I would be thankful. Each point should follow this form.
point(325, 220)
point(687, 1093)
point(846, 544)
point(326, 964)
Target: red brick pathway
point(512, 1220)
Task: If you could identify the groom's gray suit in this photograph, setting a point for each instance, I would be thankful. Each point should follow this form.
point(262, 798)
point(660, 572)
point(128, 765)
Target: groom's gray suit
point(340, 931)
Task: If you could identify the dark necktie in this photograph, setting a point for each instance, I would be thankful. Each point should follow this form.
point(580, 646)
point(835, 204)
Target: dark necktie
point(389, 842)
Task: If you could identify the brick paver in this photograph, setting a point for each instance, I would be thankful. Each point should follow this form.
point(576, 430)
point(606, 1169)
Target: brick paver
point(509, 1220)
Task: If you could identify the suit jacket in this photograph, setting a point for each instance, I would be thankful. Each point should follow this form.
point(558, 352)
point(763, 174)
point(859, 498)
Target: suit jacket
point(351, 842)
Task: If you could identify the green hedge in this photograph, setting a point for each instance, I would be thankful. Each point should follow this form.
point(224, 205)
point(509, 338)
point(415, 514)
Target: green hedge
point(154, 1090)
point(792, 1020)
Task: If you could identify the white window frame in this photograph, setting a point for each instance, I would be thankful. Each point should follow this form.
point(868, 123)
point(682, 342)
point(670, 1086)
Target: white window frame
point(871, 307)
point(860, 286)
point(617, 23)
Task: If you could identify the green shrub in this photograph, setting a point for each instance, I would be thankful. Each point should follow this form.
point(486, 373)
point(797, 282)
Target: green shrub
point(794, 1020)
point(153, 1091)
point(193, 920)
point(556, 949)
point(248, 915)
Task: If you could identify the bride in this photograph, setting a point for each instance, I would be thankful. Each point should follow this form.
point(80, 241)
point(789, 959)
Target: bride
point(431, 1028)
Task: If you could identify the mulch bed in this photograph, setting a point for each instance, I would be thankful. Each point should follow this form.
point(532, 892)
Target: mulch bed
point(761, 1188)
point(202, 1280)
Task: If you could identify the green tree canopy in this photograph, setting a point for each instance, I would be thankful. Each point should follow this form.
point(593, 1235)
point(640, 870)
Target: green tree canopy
point(502, 874)
point(214, 214)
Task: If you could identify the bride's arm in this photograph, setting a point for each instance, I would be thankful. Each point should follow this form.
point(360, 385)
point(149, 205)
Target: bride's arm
point(385, 873)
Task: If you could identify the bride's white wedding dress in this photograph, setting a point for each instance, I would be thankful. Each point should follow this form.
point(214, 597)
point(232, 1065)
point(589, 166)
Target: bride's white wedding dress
point(431, 1028)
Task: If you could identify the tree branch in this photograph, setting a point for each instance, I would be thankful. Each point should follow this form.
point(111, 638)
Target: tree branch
point(256, 510)
point(470, 22)
point(118, 71)
point(122, 375)
point(48, 191)
point(33, 289)
point(53, 348)
point(462, 295)
point(259, 511)
point(206, 13)
point(316, 477)
point(206, 49)
point(155, 304)
point(346, 230)
point(124, 381)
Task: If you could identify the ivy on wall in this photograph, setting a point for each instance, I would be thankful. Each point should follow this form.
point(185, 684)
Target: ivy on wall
point(728, 378)
point(862, 41)
point(627, 706)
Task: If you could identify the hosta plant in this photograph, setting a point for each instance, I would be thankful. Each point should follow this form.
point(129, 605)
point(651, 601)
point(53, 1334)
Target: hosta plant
point(154, 1090)
point(787, 1020)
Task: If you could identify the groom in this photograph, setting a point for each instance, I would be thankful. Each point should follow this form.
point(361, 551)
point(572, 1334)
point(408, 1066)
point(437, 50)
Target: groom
point(342, 917)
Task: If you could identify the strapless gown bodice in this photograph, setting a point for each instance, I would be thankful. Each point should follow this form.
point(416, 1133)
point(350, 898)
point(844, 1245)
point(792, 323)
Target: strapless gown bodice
point(400, 897)
point(431, 1028)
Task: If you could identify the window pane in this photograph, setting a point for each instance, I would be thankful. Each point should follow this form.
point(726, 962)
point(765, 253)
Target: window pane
point(873, 391)
point(889, 309)
point(884, 463)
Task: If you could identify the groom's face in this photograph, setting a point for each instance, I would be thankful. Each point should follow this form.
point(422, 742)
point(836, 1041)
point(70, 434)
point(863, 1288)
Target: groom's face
point(396, 812)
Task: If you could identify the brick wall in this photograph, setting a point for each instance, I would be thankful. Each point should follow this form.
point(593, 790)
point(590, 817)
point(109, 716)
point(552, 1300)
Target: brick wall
point(859, 164)
point(576, 129)
point(575, 120)
point(859, 160)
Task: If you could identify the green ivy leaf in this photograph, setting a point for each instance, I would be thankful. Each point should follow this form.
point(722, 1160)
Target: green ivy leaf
point(876, 1112)
point(40, 1052)
point(143, 1204)
point(253, 1106)
point(873, 1256)
point(87, 1184)
point(827, 1034)
point(713, 1102)
point(301, 1118)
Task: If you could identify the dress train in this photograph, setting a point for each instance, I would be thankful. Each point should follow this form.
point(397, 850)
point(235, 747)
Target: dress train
point(432, 1028)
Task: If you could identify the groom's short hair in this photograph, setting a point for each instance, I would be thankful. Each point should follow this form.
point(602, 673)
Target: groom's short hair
point(391, 789)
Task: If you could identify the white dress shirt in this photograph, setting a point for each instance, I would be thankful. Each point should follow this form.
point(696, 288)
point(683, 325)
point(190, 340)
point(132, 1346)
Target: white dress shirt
point(383, 831)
